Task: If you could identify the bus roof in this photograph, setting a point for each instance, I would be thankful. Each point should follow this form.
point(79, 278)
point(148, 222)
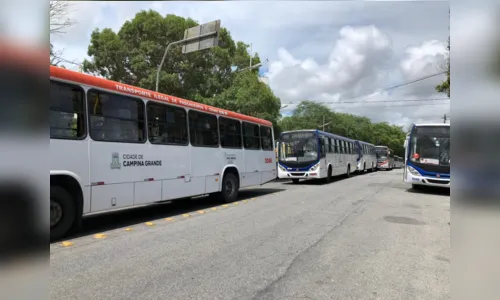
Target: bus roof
point(321, 132)
point(432, 124)
point(81, 78)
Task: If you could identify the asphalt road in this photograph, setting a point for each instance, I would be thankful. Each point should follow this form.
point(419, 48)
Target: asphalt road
point(365, 237)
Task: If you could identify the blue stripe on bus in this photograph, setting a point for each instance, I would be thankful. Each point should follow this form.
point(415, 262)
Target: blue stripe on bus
point(428, 174)
point(304, 169)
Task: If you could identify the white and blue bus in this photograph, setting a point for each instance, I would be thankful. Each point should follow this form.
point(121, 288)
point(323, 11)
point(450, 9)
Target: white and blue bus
point(427, 155)
point(367, 157)
point(314, 154)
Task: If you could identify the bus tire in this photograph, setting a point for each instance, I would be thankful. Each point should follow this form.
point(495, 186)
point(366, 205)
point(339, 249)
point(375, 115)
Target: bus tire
point(62, 207)
point(328, 178)
point(348, 174)
point(415, 187)
point(364, 168)
point(229, 190)
point(295, 180)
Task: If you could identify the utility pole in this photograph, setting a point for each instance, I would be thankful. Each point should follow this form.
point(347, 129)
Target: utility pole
point(324, 124)
point(251, 50)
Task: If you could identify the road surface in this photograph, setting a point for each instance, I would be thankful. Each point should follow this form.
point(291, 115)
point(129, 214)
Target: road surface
point(365, 237)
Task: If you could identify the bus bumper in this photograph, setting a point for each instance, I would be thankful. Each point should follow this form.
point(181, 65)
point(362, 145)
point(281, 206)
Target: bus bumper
point(383, 166)
point(429, 181)
point(298, 174)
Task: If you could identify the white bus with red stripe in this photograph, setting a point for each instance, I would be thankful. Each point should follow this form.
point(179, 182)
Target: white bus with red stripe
point(115, 146)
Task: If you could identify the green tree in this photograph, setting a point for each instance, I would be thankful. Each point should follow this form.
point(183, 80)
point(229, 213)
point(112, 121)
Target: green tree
point(444, 87)
point(133, 54)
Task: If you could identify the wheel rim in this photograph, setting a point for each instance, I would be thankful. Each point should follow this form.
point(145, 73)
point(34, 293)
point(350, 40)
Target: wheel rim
point(56, 213)
point(229, 188)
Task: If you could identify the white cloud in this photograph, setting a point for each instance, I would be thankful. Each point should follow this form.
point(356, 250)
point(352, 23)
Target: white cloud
point(326, 51)
point(358, 53)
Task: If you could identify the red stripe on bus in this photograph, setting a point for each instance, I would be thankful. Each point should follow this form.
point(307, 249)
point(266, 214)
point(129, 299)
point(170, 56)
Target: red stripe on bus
point(86, 79)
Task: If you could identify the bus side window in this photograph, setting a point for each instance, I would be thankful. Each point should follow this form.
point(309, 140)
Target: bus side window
point(266, 138)
point(323, 146)
point(336, 146)
point(230, 133)
point(329, 141)
point(167, 124)
point(67, 113)
point(116, 118)
point(203, 129)
point(251, 136)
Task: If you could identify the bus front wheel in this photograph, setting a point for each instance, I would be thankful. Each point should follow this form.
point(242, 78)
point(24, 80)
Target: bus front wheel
point(229, 188)
point(295, 180)
point(328, 178)
point(62, 212)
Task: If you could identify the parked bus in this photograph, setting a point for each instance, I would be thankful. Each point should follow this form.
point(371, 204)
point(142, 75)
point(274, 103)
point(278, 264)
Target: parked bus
point(314, 154)
point(115, 146)
point(385, 157)
point(427, 155)
point(398, 162)
point(367, 159)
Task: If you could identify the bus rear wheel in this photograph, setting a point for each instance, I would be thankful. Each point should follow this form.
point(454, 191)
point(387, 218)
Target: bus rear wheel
point(230, 188)
point(62, 212)
point(348, 174)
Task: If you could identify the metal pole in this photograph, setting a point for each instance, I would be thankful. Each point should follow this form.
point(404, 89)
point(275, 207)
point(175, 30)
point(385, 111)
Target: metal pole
point(250, 55)
point(176, 43)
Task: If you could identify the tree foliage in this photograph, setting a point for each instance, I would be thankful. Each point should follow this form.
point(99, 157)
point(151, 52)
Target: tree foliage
point(444, 87)
point(309, 115)
point(133, 54)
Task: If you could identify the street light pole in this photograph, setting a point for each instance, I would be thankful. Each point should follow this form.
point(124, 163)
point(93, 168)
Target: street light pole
point(177, 43)
point(195, 39)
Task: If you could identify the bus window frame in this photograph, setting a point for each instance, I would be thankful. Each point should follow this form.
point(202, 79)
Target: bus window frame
point(84, 112)
point(89, 115)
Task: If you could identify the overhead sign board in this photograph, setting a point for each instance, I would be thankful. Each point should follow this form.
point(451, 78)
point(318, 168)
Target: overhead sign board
point(201, 37)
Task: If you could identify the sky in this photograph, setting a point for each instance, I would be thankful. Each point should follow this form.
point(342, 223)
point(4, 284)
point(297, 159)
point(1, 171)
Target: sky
point(343, 54)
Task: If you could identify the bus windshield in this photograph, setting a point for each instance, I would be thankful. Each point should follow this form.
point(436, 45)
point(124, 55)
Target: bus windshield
point(298, 147)
point(382, 154)
point(431, 146)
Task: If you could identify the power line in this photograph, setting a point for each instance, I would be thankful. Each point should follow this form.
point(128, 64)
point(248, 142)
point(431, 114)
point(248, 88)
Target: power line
point(391, 106)
point(382, 101)
point(389, 88)
point(399, 85)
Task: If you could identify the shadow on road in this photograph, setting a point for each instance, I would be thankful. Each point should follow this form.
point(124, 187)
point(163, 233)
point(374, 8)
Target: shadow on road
point(430, 190)
point(322, 181)
point(133, 216)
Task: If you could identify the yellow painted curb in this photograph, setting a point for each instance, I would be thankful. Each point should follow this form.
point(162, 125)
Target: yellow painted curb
point(67, 244)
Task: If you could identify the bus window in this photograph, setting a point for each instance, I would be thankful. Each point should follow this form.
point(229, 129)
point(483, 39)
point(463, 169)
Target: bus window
point(116, 118)
point(266, 138)
point(203, 129)
point(230, 133)
point(329, 145)
point(67, 117)
point(167, 124)
point(336, 146)
point(251, 136)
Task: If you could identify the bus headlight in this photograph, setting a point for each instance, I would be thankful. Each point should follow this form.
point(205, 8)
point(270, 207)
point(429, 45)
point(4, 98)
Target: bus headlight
point(281, 168)
point(314, 168)
point(413, 171)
